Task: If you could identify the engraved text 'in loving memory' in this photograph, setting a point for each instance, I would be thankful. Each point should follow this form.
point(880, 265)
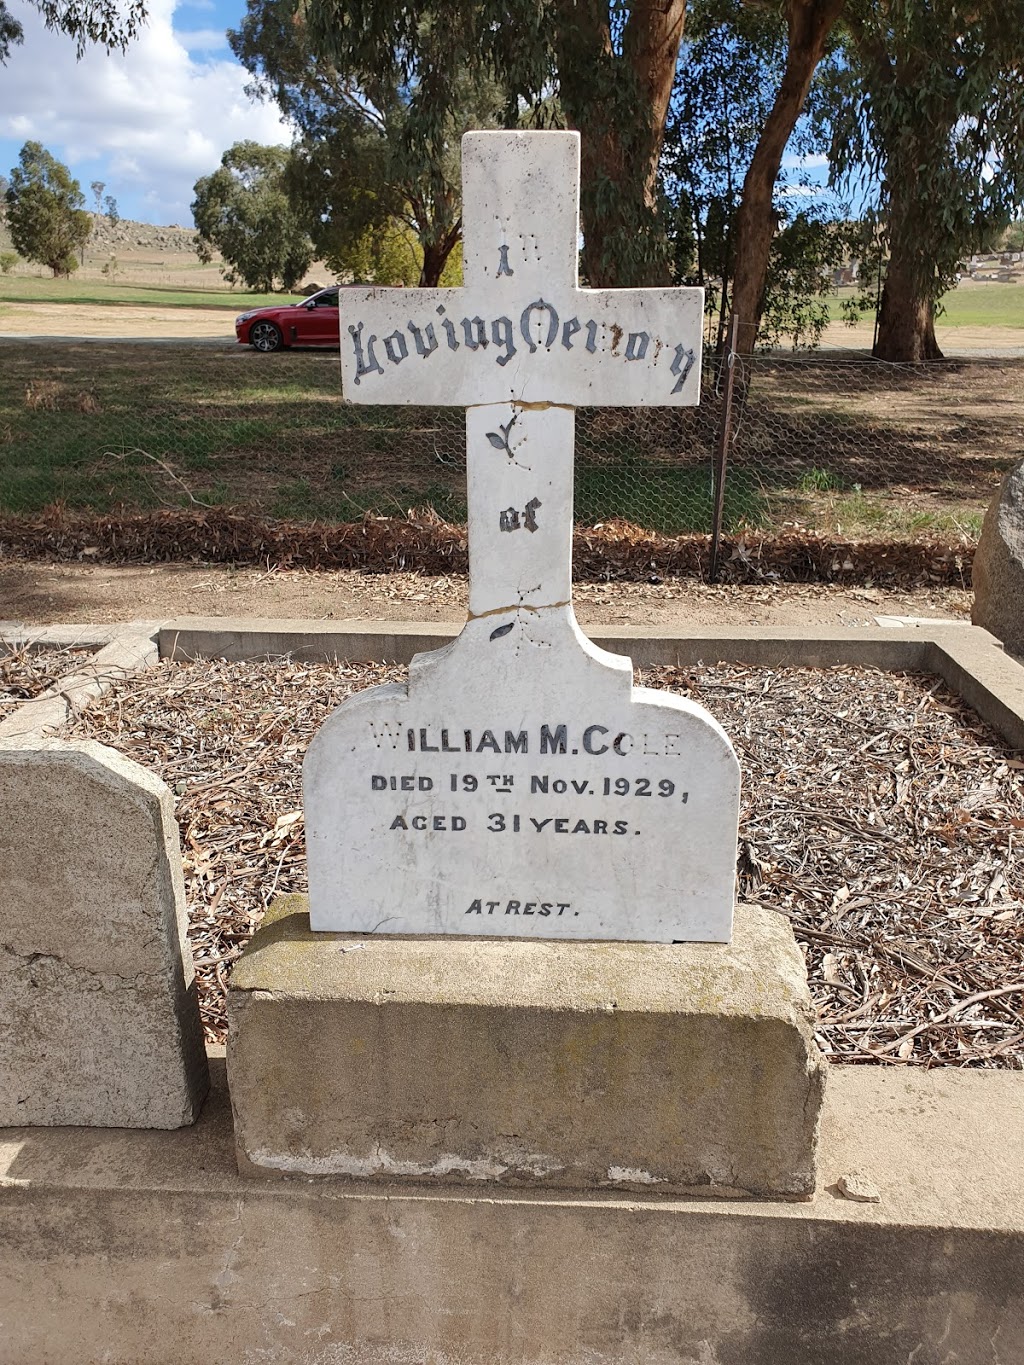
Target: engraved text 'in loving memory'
point(540, 328)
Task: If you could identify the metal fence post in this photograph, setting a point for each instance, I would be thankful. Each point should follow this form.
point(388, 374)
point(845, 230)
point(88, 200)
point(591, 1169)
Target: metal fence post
point(722, 448)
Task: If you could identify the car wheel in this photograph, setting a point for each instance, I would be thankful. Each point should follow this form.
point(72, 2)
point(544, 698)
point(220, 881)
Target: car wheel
point(265, 336)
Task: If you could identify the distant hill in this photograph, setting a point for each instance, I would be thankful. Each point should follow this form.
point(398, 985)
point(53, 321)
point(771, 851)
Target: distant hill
point(127, 235)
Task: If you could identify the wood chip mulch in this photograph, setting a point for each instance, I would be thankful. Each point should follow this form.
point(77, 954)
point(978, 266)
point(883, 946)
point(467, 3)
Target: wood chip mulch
point(28, 673)
point(878, 814)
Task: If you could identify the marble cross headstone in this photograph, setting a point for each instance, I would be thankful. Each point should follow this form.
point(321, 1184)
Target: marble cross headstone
point(520, 784)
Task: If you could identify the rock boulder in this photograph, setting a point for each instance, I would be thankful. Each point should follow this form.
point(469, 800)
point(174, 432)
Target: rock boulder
point(999, 564)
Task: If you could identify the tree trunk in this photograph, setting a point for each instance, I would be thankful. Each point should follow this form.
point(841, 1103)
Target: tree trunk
point(906, 322)
point(619, 103)
point(906, 318)
point(810, 22)
point(435, 256)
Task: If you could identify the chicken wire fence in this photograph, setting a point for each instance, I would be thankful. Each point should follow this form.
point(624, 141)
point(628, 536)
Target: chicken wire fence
point(824, 441)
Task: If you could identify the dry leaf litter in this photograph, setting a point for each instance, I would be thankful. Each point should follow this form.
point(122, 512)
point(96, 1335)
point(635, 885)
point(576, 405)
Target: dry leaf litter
point(420, 540)
point(879, 815)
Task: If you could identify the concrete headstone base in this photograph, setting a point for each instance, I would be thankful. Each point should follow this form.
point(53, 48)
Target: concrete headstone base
point(674, 1068)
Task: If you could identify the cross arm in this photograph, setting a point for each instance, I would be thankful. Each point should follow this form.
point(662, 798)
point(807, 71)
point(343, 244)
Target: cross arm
point(569, 347)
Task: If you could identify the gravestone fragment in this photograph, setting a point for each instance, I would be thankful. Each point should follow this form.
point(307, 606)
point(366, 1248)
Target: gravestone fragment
point(998, 571)
point(520, 784)
point(99, 1022)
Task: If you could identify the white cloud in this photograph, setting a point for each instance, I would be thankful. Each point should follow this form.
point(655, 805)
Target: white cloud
point(202, 39)
point(153, 119)
point(814, 162)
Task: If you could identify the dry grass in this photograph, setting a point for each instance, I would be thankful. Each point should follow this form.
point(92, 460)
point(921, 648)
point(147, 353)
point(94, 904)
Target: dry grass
point(49, 395)
point(879, 815)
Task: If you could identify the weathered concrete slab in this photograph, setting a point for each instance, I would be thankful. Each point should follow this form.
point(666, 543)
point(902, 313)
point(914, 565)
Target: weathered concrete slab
point(99, 1022)
point(972, 665)
point(131, 1246)
point(86, 635)
point(233, 638)
point(676, 1067)
point(126, 653)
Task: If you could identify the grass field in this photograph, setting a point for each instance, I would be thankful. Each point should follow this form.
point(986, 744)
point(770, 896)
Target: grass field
point(178, 279)
point(836, 446)
point(37, 289)
point(969, 305)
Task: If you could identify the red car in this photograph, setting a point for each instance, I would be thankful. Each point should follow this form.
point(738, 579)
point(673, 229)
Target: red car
point(313, 322)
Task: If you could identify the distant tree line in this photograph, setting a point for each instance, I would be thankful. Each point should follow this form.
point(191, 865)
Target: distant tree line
point(914, 106)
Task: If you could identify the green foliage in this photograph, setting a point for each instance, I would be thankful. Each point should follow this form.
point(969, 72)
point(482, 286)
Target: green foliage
point(45, 216)
point(805, 253)
point(732, 64)
point(387, 255)
point(393, 255)
point(11, 32)
point(731, 61)
point(929, 115)
point(363, 159)
point(243, 211)
point(584, 64)
point(107, 23)
point(8, 260)
point(819, 481)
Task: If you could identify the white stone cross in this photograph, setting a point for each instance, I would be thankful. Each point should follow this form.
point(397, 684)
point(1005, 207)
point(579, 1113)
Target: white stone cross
point(520, 785)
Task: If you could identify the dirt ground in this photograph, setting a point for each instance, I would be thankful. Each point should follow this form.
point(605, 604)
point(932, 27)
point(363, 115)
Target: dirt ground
point(147, 321)
point(44, 593)
point(128, 320)
point(986, 341)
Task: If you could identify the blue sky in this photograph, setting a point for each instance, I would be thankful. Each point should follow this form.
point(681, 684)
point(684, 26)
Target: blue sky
point(148, 123)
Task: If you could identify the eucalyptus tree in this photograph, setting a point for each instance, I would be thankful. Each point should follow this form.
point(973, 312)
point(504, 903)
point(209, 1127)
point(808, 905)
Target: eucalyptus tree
point(732, 64)
point(46, 214)
point(364, 154)
point(810, 26)
point(243, 211)
point(110, 24)
point(935, 115)
point(601, 66)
